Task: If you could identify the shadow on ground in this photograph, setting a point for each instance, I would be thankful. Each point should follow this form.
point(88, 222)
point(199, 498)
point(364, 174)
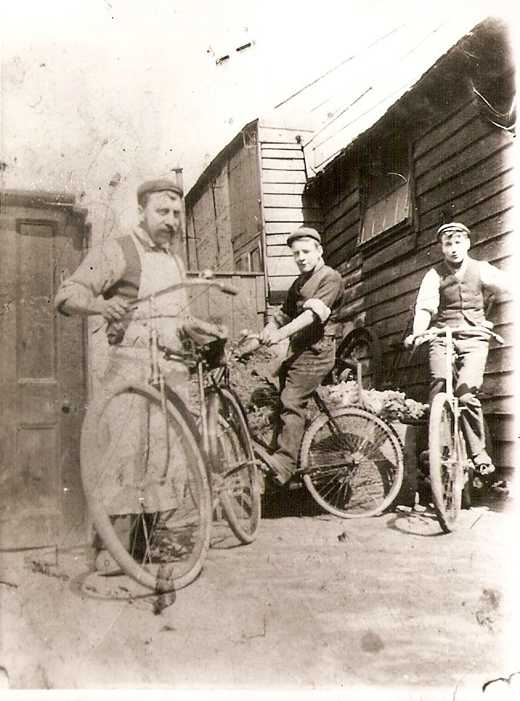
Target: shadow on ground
point(289, 502)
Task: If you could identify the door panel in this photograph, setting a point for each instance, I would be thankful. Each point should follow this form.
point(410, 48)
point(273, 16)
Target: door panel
point(42, 377)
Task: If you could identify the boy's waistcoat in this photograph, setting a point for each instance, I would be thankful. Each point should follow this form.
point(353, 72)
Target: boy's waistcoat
point(461, 300)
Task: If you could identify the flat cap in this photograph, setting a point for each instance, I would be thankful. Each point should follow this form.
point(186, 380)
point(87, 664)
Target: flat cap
point(452, 227)
point(304, 232)
point(161, 185)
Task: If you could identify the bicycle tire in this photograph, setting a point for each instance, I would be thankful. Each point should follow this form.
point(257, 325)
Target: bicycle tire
point(234, 471)
point(446, 462)
point(367, 473)
point(170, 532)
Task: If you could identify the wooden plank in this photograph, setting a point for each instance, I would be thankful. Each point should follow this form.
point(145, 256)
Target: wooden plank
point(273, 214)
point(276, 229)
point(487, 169)
point(345, 228)
point(501, 359)
point(384, 256)
point(280, 282)
point(281, 266)
point(475, 130)
point(283, 189)
point(445, 129)
point(223, 223)
point(337, 258)
point(277, 239)
point(385, 310)
point(501, 384)
point(283, 176)
point(283, 200)
point(343, 204)
point(351, 310)
point(275, 135)
point(505, 405)
point(493, 198)
point(279, 250)
point(287, 153)
point(457, 161)
point(505, 456)
point(353, 292)
point(279, 164)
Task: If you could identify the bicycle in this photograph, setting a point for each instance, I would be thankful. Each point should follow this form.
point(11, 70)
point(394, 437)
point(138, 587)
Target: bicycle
point(350, 460)
point(228, 443)
point(141, 445)
point(450, 469)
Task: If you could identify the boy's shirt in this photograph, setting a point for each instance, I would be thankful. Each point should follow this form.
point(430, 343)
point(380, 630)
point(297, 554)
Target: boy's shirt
point(322, 292)
point(473, 278)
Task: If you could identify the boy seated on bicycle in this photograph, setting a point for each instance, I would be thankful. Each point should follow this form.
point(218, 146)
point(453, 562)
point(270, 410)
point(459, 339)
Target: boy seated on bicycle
point(453, 294)
point(309, 319)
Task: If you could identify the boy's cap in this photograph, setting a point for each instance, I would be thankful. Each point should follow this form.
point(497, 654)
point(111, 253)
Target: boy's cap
point(304, 232)
point(161, 185)
point(451, 228)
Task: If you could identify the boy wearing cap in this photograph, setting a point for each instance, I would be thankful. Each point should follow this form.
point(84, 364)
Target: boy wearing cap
point(452, 294)
point(309, 319)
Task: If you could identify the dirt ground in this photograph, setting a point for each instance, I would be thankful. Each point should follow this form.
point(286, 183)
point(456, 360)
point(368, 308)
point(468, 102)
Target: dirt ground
point(317, 603)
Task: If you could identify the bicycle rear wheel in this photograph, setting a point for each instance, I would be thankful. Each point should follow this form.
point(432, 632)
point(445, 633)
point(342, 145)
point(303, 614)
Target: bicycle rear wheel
point(447, 456)
point(234, 471)
point(141, 462)
point(352, 463)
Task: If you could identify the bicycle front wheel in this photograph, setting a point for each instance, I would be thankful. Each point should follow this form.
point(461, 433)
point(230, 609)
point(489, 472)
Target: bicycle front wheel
point(352, 463)
point(234, 471)
point(447, 457)
point(146, 486)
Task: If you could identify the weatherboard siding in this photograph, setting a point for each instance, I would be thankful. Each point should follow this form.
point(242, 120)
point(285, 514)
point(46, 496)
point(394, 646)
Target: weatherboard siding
point(283, 178)
point(462, 170)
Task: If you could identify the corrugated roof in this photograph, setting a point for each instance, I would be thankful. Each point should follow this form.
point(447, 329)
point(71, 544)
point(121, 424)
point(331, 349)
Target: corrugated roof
point(349, 99)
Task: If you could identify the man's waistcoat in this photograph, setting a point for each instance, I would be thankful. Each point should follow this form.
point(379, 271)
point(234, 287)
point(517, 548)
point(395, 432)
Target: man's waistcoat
point(127, 287)
point(460, 300)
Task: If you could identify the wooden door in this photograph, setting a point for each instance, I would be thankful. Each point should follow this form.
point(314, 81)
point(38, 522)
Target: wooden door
point(42, 376)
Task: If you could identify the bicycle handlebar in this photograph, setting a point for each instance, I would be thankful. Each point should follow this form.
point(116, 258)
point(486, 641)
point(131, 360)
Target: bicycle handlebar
point(456, 330)
point(226, 289)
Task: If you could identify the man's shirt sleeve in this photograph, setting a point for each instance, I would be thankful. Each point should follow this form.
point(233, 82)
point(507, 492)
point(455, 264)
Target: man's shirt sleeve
point(428, 296)
point(101, 268)
point(494, 279)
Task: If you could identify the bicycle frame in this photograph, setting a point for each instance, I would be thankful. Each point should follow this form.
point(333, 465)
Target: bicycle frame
point(449, 466)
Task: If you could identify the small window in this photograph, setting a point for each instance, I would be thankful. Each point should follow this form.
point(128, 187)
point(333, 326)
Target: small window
point(251, 262)
point(387, 187)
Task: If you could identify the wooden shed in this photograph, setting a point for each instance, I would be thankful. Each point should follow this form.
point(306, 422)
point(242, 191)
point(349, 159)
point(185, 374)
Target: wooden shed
point(424, 144)
point(246, 202)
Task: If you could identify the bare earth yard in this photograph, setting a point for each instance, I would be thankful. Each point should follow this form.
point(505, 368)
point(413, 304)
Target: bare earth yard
point(316, 603)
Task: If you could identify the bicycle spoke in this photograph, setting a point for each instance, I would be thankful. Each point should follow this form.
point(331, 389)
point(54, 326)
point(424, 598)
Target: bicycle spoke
point(143, 461)
point(352, 463)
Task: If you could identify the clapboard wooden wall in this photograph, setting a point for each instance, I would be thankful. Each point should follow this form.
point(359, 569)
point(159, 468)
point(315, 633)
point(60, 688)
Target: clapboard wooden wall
point(461, 169)
point(283, 179)
point(223, 221)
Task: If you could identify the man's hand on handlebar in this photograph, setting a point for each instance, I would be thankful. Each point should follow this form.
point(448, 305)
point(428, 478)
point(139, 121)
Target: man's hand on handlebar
point(457, 332)
point(204, 331)
point(414, 340)
point(115, 308)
